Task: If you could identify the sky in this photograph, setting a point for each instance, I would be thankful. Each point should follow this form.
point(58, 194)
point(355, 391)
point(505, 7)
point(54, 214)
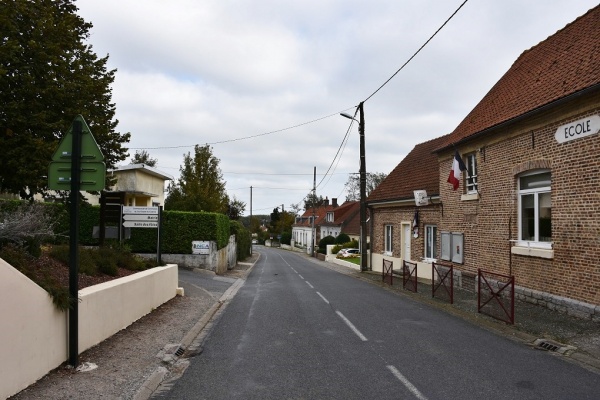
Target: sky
point(263, 82)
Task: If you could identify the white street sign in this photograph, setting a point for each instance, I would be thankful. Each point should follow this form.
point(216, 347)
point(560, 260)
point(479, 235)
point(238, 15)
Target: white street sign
point(140, 217)
point(140, 210)
point(140, 224)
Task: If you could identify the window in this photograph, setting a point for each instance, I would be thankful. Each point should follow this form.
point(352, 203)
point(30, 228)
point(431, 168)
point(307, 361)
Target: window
point(329, 217)
point(430, 241)
point(388, 239)
point(535, 210)
point(471, 179)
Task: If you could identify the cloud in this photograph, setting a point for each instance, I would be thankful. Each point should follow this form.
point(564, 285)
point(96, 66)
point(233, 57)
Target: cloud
point(218, 72)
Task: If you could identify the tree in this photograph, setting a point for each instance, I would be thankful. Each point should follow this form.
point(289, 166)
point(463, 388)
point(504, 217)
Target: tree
point(200, 186)
point(49, 75)
point(142, 157)
point(295, 208)
point(236, 209)
point(275, 216)
point(312, 200)
point(352, 185)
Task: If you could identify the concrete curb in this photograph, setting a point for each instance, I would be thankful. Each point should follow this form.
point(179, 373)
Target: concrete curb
point(151, 384)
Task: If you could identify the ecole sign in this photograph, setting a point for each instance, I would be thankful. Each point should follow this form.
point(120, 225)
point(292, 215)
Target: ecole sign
point(578, 129)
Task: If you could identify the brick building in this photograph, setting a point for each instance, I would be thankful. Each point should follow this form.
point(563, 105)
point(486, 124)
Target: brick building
point(529, 203)
point(392, 208)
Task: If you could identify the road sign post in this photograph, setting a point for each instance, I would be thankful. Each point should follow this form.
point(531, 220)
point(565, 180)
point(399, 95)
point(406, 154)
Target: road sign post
point(77, 164)
point(144, 217)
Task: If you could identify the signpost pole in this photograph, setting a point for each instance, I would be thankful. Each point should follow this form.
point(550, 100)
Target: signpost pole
point(74, 245)
point(158, 253)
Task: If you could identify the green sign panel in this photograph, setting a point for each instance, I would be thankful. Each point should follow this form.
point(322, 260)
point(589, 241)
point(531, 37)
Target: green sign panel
point(93, 169)
point(93, 175)
point(90, 151)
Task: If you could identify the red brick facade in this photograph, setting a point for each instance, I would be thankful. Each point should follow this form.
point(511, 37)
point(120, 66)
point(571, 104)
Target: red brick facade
point(490, 222)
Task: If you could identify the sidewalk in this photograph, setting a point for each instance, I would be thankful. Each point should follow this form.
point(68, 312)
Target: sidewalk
point(132, 363)
point(137, 357)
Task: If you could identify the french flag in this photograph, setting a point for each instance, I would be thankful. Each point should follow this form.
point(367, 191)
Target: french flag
point(456, 172)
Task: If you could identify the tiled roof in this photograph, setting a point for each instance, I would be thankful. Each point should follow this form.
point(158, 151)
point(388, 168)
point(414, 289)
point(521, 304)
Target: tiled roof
point(320, 215)
point(563, 64)
point(352, 225)
point(419, 170)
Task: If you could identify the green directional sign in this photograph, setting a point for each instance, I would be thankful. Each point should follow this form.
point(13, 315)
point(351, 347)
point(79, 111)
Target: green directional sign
point(93, 175)
point(93, 169)
point(90, 151)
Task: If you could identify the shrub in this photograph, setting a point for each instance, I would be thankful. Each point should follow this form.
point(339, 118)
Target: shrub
point(325, 241)
point(342, 238)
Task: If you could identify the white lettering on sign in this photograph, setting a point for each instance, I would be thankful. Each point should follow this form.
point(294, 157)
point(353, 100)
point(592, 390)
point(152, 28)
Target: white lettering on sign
point(578, 129)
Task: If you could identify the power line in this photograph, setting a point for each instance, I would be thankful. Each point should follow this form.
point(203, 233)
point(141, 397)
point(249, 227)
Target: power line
point(245, 137)
point(417, 52)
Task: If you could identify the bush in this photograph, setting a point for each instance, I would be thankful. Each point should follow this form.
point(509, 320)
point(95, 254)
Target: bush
point(324, 242)
point(286, 238)
point(342, 238)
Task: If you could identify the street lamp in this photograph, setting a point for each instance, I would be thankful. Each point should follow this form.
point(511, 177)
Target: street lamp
point(363, 186)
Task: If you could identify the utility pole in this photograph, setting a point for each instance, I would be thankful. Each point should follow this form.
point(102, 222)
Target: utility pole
point(313, 233)
point(250, 226)
point(363, 185)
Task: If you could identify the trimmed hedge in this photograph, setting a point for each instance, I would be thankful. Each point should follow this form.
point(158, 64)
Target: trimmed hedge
point(243, 239)
point(179, 228)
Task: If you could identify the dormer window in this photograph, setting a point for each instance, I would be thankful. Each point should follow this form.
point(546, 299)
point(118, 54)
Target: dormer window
point(330, 217)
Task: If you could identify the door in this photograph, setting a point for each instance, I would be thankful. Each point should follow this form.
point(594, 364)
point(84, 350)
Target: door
point(406, 241)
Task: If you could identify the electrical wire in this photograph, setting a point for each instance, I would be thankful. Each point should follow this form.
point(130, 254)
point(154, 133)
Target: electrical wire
point(245, 137)
point(417, 52)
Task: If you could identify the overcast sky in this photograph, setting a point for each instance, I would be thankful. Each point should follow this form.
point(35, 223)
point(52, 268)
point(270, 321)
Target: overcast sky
point(248, 77)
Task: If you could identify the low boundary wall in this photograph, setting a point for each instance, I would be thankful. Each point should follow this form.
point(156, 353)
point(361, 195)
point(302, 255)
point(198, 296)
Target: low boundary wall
point(33, 333)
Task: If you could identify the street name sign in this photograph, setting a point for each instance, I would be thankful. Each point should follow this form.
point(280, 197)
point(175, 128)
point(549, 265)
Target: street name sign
point(140, 210)
point(140, 217)
point(140, 224)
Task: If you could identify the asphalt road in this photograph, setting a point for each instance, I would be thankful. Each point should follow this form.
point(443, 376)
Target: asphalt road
point(296, 330)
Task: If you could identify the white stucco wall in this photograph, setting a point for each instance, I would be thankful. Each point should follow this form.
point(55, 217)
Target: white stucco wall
point(33, 333)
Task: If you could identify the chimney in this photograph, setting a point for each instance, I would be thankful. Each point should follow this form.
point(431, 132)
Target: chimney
point(334, 202)
point(326, 201)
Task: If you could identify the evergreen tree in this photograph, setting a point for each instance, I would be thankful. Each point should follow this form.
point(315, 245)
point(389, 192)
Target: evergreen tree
point(200, 186)
point(49, 75)
point(143, 157)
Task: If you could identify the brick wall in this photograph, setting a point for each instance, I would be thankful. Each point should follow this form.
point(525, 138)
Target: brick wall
point(395, 216)
point(490, 222)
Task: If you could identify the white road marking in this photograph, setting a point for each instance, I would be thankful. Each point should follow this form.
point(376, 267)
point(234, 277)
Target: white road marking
point(323, 297)
point(301, 277)
point(406, 383)
point(308, 283)
point(351, 326)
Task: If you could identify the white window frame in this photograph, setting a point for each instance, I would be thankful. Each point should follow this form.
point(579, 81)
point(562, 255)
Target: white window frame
point(471, 184)
point(430, 244)
point(330, 217)
point(388, 234)
point(536, 192)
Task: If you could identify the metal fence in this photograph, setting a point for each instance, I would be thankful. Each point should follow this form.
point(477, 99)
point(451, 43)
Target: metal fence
point(496, 295)
point(409, 276)
point(442, 281)
point(387, 275)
